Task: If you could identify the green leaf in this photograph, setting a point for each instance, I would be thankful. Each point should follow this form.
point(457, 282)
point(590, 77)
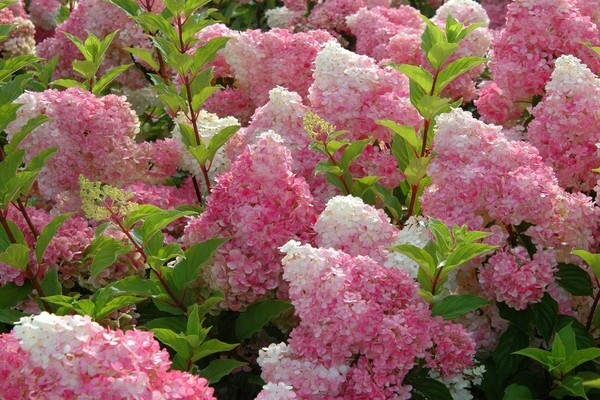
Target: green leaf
point(220, 138)
point(105, 251)
point(579, 357)
point(574, 279)
point(115, 304)
point(542, 356)
point(443, 237)
point(258, 315)
point(431, 35)
point(11, 294)
point(85, 68)
point(582, 336)
point(211, 346)
point(176, 324)
point(440, 52)
point(429, 389)
point(466, 253)
point(110, 76)
point(5, 241)
point(16, 255)
point(8, 316)
point(417, 74)
point(175, 341)
point(520, 392)
point(405, 132)
point(186, 270)
point(219, 368)
point(47, 234)
point(513, 339)
point(416, 170)
point(420, 256)
point(352, 152)
point(67, 83)
point(50, 284)
point(206, 53)
point(156, 222)
point(593, 260)
point(545, 316)
point(573, 385)
point(145, 56)
point(455, 306)
point(194, 324)
point(454, 70)
point(131, 7)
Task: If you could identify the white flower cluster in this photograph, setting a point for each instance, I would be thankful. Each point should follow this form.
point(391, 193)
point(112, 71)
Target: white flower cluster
point(350, 225)
point(48, 338)
point(281, 17)
point(459, 385)
point(570, 74)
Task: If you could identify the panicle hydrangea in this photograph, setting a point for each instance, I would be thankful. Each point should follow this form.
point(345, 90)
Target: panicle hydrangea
point(20, 40)
point(350, 309)
point(99, 17)
point(43, 13)
point(479, 176)
point(284, 114)
point(264, 60)
point(163, 158)
point(63, 252)
point(99, 144)
point(231, 102)
point(375, 27)
point(331, 14)
point(536, 33)
point(566, 128)
point(208, 126)
point(258, 221)
point(496, 11)
point(283, 17)
point(453, 349)
point(459, 385)
point(512, 277)
point(71, 357)
point(356, 228)
point(352, 92)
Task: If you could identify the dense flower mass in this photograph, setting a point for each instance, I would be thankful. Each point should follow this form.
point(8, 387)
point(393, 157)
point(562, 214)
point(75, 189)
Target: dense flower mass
point(257, 221)
point(307, 200)
point(350, 310)
point(481, 178)
point(536, 33)
point(104, 130)
point(71, 357)
point(566, 127)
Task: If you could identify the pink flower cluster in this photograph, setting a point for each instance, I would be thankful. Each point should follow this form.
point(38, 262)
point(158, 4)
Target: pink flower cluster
point(351, 309)
point(98, 144)
point(20, 40)
point(260, 205)
point(512, 277)
point(479, 176)
point(566, 128)
point(258, 62)
point(50, 357)
point(352, 92)
point(536, 33)
point(64, 250)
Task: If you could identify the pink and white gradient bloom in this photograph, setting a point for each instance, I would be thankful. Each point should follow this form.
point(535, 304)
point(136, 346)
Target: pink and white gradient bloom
point(512, 277)
point(566, 128)
point(350, 310)
point(71, 357)
point(260, 205)
point(98, 144)
point(537, 32)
